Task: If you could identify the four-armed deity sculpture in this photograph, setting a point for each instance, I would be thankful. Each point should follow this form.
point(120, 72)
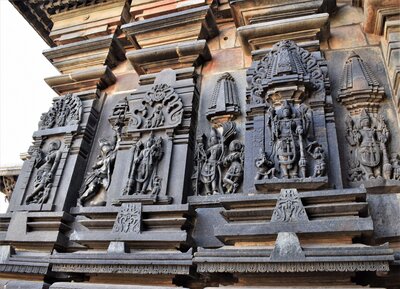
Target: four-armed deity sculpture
point(369, 137)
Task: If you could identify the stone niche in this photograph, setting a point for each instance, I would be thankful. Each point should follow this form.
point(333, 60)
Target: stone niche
point(59, 151)
point(290, 133)
point(370, 146)
point(148, 130)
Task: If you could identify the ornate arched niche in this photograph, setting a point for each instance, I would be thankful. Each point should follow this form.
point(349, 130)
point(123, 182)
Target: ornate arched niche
point(289, 109)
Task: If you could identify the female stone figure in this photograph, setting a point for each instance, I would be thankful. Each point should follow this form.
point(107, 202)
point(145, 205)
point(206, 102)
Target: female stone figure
point(100, 177)
point(47, 168)
point(234, 173)
point(210, 174)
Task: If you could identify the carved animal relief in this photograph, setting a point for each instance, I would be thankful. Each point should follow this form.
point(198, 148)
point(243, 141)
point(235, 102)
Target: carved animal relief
point(160, 107)
point(65, 111)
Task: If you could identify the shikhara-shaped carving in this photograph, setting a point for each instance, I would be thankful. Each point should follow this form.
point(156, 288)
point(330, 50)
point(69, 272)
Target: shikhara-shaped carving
point(129, 219)
point(289, 207)
point(286, 62)
point(46, 164)
point(161, 107)
point(289, 127)
point(143, 179)
point(219, 165)
point(224, 102)
point(369, 136)
point(100, 177)
point(65, 111)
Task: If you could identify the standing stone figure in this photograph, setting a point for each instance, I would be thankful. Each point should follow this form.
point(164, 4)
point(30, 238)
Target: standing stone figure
point(200, 157)
point(318, 154)
point(396, 166)
point(265, 167)
point(370, 142)
point(146, 163)
point(100, 177)
point(234, 160)
point(210, 174)
point(46, 169)
point(288, 130)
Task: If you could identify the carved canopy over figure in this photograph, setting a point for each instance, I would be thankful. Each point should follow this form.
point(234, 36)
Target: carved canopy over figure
point(142, 177)
point(370, 140)
point(65, 111)
point(100, 177)
point(46, 164)
point(289, 127)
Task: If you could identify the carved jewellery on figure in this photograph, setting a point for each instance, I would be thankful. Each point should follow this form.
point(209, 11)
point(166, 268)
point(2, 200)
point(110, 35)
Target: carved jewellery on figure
point(65, 111)
point(160, 107)
point(99, 179)
point(219, 164)
point(143, 178)
point(369, 136)
point(46, 164)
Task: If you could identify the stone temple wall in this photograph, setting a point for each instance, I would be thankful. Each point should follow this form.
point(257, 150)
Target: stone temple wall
point(209, 144)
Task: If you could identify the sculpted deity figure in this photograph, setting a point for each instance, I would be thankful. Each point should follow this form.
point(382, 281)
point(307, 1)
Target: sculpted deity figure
point(370, 142)
point(210, 174)
point(46, 164)
point(396, 166)
point(200, 156)
point(100, 177)
point(146, 163)
point(142, 176)
point(234, 160)
point(288, 128)
point(157, 118)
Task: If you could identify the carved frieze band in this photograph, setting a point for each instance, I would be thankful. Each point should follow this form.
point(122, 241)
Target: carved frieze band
point(123, 269)
point(341, 266)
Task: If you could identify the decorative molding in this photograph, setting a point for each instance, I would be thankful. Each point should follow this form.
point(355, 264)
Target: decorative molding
point(281, 267)
point(289, 207)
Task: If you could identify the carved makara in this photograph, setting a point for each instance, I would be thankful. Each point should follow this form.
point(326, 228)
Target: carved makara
point(369, 135)
point(46, 164)
point(143, 178)
point(65, 111)
point(161, 107)
point(219, 164)
point(289, 207)
point(128, 219)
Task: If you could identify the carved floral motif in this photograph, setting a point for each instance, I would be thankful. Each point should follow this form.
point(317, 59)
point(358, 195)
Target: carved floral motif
point(128, 219)
point(289, 207)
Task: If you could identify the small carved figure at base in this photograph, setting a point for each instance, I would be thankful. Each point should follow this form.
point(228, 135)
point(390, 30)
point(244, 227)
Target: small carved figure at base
point(396, 167)
point(99, 179)
point(234, 160)
point(318, 154)
point(265, 167)
point(47, 168)
point(156, 186)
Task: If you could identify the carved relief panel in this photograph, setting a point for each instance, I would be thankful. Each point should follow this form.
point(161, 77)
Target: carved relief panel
point(288, 139)
point(219, 153)
point(371, 158)
point(58, 151)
